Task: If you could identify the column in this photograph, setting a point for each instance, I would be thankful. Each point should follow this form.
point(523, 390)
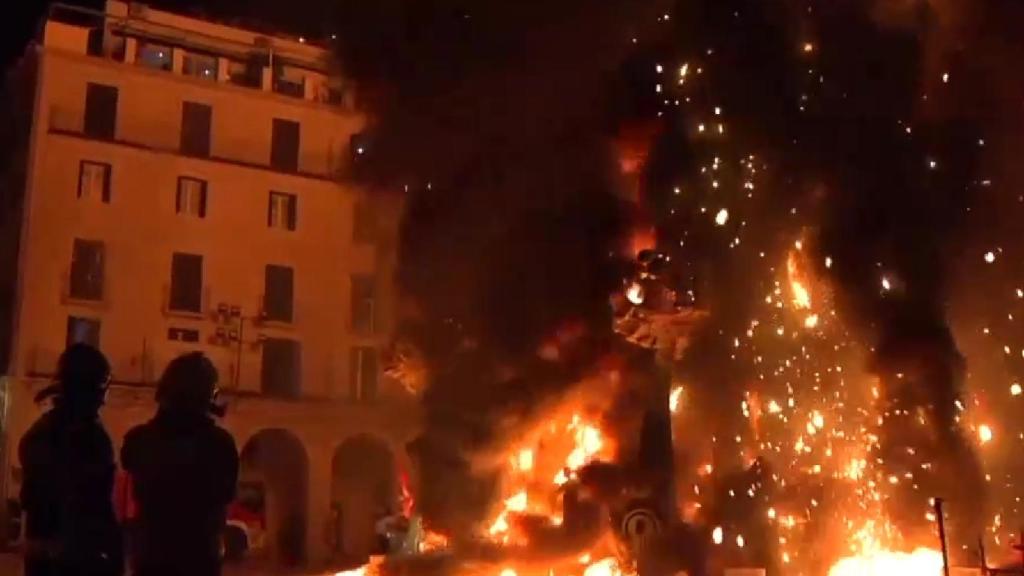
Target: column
point(319, 506)
point(131, 47)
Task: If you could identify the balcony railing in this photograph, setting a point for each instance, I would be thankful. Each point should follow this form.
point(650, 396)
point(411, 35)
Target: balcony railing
point(107, 36)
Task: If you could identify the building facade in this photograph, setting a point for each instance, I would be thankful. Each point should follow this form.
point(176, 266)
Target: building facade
point(182, 186)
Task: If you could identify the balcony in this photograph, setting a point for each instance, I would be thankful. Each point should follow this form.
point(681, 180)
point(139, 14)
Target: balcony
point(144, 43)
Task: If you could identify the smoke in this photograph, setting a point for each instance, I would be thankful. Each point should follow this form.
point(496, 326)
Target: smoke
point(495, 118)
point(862, 121)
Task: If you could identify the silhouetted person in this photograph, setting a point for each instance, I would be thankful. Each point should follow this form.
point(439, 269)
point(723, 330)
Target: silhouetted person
point(184, 470)
point(68, 466)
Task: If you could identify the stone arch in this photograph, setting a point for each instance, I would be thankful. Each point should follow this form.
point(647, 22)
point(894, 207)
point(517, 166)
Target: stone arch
point(365, 487)
point(275, 462)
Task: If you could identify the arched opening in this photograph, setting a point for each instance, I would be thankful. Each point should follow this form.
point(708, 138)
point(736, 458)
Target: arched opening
point(364, 489)
point(275, 471)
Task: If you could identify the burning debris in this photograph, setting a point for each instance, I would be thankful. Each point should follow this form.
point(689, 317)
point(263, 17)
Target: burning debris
point(815, 182)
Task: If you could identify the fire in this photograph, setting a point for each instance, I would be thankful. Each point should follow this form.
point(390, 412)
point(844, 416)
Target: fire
point(604, 567)
point(361, 571)
point(369, 569)
point(920, 562)
point(635, 294)
point(985, 433)
point(675, 399)
point(801, 296)
point(560, 446)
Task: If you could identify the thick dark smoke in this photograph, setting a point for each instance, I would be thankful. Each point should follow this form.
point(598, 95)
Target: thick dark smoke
point(495, 117)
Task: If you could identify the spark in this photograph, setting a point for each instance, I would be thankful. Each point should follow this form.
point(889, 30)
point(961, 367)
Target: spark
point(722, 217)
point(1015, 389)
point(675, 398)
point(990, 257)
point(985, 433)
point(635, 294)
point(716, 535)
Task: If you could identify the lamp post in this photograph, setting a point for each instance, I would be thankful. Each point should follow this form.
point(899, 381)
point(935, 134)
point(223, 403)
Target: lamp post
point(231, 330)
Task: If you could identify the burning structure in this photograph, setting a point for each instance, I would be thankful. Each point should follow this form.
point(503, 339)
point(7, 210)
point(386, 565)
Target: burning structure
point(821, 177)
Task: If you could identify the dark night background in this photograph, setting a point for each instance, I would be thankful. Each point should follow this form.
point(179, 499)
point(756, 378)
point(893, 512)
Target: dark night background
point(303, 17)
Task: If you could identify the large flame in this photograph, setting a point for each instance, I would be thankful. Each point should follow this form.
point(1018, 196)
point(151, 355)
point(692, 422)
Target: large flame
point(920, 562)
point(558, 447)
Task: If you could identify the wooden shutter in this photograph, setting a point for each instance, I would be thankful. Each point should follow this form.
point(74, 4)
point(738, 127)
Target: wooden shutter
point(279, 290)
point(100, 111)
point(280, 370)
point(292, 203)
point(284, 145)
point(186, 282)
point(195, 129)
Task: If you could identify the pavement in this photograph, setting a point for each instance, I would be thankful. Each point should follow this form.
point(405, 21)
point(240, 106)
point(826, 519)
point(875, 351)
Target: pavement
point(10, 565)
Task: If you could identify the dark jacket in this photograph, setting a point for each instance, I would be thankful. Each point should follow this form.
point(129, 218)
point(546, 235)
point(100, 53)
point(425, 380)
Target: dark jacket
point(68, 469)
point(184, 470)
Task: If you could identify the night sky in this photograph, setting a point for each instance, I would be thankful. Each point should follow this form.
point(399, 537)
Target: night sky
point(301, 17)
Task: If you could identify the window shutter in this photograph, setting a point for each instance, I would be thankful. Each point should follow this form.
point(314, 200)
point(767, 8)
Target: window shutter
point(292, 211)
point(177, 196)
point(202, 201)
point(186, 282)
point(270, 210)
point(100, 111)
point(105, 171)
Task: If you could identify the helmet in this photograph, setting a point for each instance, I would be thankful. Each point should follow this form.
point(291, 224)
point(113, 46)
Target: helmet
point(188, 384)
point(83, 375)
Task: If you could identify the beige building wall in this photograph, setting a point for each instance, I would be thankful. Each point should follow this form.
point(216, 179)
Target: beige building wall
point(141, 229)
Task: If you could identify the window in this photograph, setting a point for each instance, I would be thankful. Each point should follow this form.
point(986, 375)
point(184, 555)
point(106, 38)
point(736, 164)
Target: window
point(100, 111)
point(364, 304)
point(248, 73)
point(281, 211)
point(191, 197)
point(200, 66)
point(155, 56)
point(94, 180)
point(364, 222)
point(186, 283)
point(281, 368)
point(284, 145)
point(83, 331)
point(183, 334)
point(87, 261)
point(363, 374)
point(289, 81)
point(278, 293)
point(195, 129)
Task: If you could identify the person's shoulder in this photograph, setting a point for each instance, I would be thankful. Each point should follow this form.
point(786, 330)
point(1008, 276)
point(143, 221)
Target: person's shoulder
point(222, 436)
point(220, 441)
point(36, 432)
point(138, 433)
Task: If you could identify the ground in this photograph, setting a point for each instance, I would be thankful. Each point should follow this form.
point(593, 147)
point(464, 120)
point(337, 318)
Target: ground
point(10, 565)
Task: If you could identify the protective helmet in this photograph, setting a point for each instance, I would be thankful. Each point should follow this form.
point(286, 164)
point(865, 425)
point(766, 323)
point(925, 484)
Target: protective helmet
point(188, 384)
point(83, 375)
